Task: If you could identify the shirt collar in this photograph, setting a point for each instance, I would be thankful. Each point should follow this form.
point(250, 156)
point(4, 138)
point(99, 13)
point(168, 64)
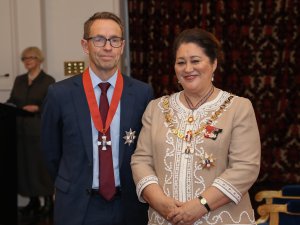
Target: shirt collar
point(96, 80)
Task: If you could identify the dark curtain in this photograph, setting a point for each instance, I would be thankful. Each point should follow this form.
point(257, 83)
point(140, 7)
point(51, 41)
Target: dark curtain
point(260, 39)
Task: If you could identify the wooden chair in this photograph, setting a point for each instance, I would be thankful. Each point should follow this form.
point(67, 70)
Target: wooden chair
point(281, 207)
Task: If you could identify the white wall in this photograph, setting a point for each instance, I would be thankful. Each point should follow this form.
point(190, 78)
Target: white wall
point(64, 29)
point(28, 14)
point(7, 56)
point(23, 21)
point(55, 26)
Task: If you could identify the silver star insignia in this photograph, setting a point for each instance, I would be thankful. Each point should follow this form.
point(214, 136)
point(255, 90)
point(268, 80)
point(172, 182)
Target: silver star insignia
point(129, 137)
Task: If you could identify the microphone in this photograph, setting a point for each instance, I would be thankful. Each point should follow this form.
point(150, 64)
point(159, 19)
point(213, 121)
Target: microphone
point(4, 75)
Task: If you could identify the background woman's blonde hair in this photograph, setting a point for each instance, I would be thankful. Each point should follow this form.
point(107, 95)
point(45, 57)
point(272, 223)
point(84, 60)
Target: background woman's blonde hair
point(35, 50)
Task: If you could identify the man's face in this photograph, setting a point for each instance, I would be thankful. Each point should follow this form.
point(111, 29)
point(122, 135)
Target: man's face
point(104, 59)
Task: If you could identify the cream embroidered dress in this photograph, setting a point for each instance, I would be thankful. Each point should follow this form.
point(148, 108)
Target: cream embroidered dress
point(187, 151)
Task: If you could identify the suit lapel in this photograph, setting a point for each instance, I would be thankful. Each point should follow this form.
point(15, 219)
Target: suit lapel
point(127, 103)
point(83, 116)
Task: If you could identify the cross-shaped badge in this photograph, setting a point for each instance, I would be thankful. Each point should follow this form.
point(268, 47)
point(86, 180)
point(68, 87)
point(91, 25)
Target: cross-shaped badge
point(104, 142)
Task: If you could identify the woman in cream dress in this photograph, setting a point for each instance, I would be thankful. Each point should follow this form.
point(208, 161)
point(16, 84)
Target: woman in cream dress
point(199, 149)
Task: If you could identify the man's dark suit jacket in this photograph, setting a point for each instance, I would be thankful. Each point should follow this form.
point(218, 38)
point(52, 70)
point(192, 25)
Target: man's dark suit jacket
point(68, 150)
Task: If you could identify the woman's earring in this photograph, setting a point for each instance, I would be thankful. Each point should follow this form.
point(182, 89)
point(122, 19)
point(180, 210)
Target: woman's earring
point(212, 78)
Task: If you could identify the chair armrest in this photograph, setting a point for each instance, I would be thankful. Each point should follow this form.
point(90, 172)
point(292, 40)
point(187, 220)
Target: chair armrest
point(291, 207)
point(287, 192)
point(267, 195)
point(266, 209)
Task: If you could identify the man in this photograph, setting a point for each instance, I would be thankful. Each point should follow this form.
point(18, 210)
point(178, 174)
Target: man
point(79, 141)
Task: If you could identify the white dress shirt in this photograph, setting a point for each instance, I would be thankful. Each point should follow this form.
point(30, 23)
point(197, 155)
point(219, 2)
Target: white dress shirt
point(114, 130)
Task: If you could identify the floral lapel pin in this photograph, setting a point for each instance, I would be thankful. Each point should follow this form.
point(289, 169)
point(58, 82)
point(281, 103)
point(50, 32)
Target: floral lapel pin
point(129, 137)
point(212, 132)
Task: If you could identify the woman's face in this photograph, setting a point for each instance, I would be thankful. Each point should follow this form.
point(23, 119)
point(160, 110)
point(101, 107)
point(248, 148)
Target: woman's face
point(31, 61)
point(193, 68)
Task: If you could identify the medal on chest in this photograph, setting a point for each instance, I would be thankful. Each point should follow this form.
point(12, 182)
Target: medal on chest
point(205, 129)
point(94, 109)
point(104, 142)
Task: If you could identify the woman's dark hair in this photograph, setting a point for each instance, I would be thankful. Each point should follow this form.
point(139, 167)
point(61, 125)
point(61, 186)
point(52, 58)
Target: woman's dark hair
point(204, 39)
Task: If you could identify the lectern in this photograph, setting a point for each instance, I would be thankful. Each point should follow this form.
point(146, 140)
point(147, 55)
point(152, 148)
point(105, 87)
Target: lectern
point(8, 163)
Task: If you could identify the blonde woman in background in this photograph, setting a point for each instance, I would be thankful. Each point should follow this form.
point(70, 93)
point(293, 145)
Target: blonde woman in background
point(28, 93)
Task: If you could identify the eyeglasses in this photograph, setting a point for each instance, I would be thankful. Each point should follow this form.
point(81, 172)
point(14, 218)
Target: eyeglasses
point(28, 58)
point(100, 41)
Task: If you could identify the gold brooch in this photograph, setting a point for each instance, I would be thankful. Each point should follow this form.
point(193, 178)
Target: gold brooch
point(207, 161)
point(212, 132)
